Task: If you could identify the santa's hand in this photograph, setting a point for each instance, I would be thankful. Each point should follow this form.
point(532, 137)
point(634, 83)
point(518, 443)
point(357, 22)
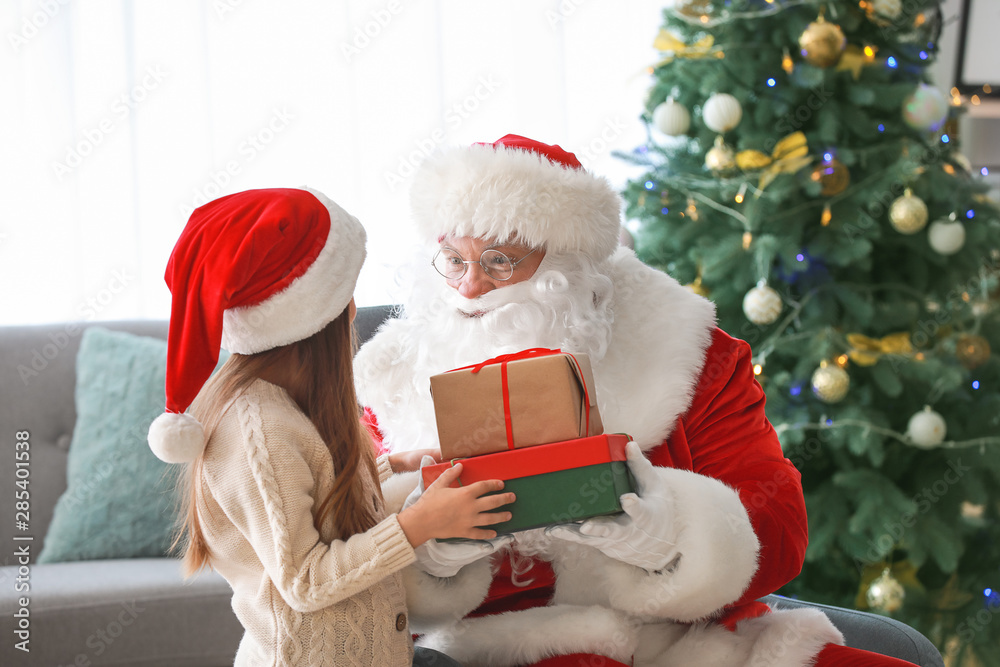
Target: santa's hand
point(644, 535)
point(445, 559)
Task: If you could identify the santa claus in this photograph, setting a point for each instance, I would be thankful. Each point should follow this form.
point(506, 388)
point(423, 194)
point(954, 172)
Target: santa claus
point(524, 253)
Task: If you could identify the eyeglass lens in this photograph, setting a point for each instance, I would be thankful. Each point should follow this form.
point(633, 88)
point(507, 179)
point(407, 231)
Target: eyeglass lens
point(453, 266)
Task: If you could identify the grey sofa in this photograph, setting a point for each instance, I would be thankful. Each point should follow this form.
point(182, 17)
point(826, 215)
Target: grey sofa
point(140, 611)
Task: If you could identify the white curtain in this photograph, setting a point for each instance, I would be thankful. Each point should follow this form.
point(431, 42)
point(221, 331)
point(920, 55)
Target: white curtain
point(119, 117)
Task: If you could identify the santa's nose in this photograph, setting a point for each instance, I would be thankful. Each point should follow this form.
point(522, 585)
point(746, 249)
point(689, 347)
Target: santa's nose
point(475, 283)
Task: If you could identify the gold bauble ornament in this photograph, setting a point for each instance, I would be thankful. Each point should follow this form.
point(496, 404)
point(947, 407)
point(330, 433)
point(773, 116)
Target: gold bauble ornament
point(908, 214)
point(972, 351)
point(830, 382)
point(822, 43)
point(693, 8)
point(834, 176)
point(885, 593)
point(721, 157)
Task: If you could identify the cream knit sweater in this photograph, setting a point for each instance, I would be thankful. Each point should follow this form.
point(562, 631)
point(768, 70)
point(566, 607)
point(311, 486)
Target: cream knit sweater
point(304, 597)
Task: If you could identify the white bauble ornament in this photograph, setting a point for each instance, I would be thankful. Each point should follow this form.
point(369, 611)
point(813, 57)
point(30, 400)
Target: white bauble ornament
point(722, 112)
point(762, 305)
point(830, 383)
point(926, 429)
point(672, 118)
point(946, 236)
point(925, 109)
point(890, 9)
point(908, 214)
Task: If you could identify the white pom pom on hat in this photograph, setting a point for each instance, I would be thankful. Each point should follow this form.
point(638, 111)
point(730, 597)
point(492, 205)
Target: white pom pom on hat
point(250, 272)
point(176, 438)
point(517, 188)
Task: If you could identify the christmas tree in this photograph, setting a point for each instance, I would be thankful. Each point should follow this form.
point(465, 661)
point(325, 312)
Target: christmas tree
point(803, 173)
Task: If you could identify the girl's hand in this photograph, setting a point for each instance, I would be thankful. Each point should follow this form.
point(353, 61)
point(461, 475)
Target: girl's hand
point(410, 461)
point(441, 511)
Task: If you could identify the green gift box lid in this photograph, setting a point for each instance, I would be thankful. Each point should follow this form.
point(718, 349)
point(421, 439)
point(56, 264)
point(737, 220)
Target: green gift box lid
point(555, 483)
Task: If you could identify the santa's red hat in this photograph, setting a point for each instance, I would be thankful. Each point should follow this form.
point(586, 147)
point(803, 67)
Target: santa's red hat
point(517, 187)
point(250, 272)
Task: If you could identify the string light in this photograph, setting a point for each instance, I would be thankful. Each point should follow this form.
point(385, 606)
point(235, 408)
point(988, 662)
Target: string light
point(771, 82)
point(923, 55)
point(827, 215)
point(970, 214)
point(948, 169)
point(987, 88)
point(692, 210)
point(984, 171)
point(975, 99)
point(795, 390)
point(870, 52)
point(665, 211)
point(891, 62)
point(741, 193)
point(747, 240)
point(786, 62)
point(758, 369)
point(945, 138)
point(881, 127)
point(975, 384)
point(650, 185)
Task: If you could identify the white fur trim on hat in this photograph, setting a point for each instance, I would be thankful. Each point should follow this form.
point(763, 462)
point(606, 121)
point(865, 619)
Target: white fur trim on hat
point(176, 438)
point(501, 193)
point(311, 301)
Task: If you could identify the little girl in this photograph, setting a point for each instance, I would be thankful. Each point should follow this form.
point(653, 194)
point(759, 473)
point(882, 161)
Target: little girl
point(283, 494)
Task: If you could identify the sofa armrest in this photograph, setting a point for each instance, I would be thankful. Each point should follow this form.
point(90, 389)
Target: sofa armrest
point(872, 632)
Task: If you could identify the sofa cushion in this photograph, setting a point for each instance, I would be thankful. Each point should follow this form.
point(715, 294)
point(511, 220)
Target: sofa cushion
point(119, 500)
point(137, 612)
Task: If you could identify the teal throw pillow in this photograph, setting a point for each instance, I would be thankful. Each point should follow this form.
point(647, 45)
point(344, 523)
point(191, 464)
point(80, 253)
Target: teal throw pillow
point(120, 500)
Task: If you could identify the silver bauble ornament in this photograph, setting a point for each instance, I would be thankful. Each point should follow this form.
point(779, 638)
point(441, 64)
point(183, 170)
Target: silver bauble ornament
point(722, 112)
point(926, 429)
point(762, 304)
point(830, 383)
point(925, 108)
point(671, 118)
point(908, 214)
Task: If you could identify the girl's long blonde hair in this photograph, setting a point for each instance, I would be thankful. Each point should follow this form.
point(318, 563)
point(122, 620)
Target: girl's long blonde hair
point(323, 388)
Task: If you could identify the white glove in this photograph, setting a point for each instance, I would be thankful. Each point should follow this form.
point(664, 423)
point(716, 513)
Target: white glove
point(644, 535)
point(445, 559)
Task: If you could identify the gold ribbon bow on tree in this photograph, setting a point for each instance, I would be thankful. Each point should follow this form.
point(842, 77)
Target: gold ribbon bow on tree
point(789, 155)
point(673, 45)
point(866, 351)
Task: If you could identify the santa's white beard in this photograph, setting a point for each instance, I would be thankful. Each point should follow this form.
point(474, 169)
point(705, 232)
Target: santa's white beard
point(565, 305)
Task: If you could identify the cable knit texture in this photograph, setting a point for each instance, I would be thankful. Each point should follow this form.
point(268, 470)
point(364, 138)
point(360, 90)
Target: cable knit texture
point(304, 597)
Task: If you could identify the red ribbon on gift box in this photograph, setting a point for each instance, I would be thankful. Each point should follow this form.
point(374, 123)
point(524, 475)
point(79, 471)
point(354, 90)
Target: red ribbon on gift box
point(504, 359)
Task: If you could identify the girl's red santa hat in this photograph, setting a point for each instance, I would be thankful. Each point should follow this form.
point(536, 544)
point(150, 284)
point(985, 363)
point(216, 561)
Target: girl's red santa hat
point(517, 188)
point(250, 272)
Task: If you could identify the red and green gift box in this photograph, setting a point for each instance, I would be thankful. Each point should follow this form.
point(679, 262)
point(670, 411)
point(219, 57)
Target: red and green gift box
point(528, 398)
point(554, 483)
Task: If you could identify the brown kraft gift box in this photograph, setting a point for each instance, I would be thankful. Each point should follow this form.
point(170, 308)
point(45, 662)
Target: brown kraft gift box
point(529, 398)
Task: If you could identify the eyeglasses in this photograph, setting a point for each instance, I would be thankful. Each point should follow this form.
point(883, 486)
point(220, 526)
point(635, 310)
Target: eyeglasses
point(494, 263)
